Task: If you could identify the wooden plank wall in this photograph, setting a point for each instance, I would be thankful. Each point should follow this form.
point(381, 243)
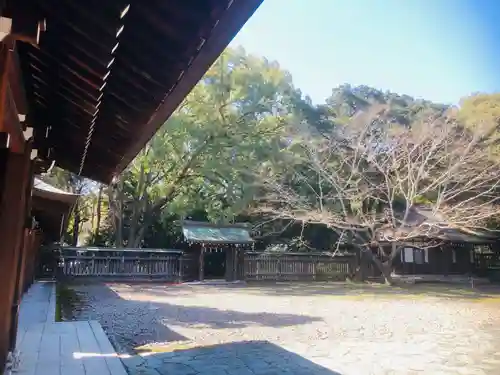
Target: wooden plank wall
point(297, 267)
point(121, 264)
point(16, 179)
point(12, 220)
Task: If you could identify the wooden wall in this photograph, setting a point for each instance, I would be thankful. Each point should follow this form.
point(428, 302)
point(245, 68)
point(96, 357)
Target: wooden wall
point(14, 241)
point(444, 260)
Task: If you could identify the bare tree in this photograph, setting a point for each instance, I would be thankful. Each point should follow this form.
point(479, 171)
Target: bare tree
point(384, 185)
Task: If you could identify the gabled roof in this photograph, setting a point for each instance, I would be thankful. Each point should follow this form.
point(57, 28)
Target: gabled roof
point(201, 232)
point(43, 186)
point(51, 207)
point(47, 191)
point(420, 215)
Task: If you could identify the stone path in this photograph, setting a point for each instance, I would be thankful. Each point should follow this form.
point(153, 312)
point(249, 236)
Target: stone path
point(45, 347)
point(239, 358)
point(299, 329)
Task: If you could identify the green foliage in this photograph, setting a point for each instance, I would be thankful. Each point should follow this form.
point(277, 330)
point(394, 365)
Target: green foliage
point(480, 113)
point(66, 302)
point(207, 155)
point(238, 126)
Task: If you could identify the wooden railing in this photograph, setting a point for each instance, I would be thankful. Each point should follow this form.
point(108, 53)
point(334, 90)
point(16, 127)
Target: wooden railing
point(298, 266)
point(174, 265)
point(123, 263)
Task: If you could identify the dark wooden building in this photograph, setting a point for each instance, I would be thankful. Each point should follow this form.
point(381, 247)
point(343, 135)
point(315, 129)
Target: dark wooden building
point(215, 251)
point(444, 250)
point(51, 208)
point(454, 253)
point(85, 85)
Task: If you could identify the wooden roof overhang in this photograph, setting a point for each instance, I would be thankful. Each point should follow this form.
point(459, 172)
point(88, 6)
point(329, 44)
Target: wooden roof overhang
point(101, 77)
point(51, 207)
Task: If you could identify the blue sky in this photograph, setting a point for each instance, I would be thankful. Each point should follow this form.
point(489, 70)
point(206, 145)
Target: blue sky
point(440, 50)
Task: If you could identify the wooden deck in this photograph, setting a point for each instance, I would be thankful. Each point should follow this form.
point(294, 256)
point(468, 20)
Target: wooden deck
point(45, 347)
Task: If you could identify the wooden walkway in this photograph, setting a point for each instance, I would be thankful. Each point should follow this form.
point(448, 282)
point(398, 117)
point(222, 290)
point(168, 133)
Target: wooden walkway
point(45, 347)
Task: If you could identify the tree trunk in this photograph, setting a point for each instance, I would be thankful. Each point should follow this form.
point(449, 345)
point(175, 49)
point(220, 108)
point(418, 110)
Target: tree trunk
point(76, 224)
point(111, 206)
point(119, 216)
point(114, 195)
point(362, 270)
point(98, 213)
point(385, 268)
point(136, 210)
point(147, 221)
point(92, 216)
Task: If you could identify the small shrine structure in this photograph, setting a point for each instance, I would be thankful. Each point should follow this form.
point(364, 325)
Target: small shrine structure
point(215, 251)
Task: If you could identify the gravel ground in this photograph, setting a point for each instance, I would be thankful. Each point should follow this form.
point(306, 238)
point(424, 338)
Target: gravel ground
point(299, 328)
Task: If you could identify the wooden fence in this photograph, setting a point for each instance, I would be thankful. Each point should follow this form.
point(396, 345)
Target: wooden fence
point(174, 265)
point(298, 266)
point(124, 263)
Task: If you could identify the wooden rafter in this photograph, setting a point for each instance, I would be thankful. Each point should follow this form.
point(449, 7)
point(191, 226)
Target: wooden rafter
point(114, 77)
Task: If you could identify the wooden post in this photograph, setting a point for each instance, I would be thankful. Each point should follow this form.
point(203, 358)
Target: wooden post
point(22, 250)
point(9, 85)
point(236, 262)
point(202, 263)
point(181, 268)
point(240, 265)
point(229, 265)
point(12, 220)
point(34, 258)
point(30, 260)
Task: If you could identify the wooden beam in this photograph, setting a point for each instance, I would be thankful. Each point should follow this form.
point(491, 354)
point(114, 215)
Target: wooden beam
point(37, 236)
point(13, 125)
point(22, 25)
point(5, 27)
point(22, 251)
point(17, 85)
point(9, 116)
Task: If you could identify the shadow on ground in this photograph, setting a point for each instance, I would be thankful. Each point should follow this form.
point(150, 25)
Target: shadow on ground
point(238, 358)
point(353, 290)
point(131, 322)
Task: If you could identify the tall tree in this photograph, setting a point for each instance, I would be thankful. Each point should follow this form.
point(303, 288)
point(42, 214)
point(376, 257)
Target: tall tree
point(231, 125)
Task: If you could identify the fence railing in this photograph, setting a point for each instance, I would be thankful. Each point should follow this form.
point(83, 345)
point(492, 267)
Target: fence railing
point(174, 265)
point(126, 263)
point(298, 266)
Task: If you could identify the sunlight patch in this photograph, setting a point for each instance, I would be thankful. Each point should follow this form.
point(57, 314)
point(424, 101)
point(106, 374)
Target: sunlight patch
point(165, 347)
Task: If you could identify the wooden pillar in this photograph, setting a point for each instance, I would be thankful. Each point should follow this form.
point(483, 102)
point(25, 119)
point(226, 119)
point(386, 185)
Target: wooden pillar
point(28, 268)
point(35, 257)
point(22, 247)
point(19, 286)
point(12, 219)
point(28, 276)
point(201, 275)
point(240, 264)
point(230, 261)
point(23, 263)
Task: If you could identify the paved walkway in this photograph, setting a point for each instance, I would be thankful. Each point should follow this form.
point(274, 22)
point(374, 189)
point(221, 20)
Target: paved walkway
point(296, 329)
point(45, 347)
